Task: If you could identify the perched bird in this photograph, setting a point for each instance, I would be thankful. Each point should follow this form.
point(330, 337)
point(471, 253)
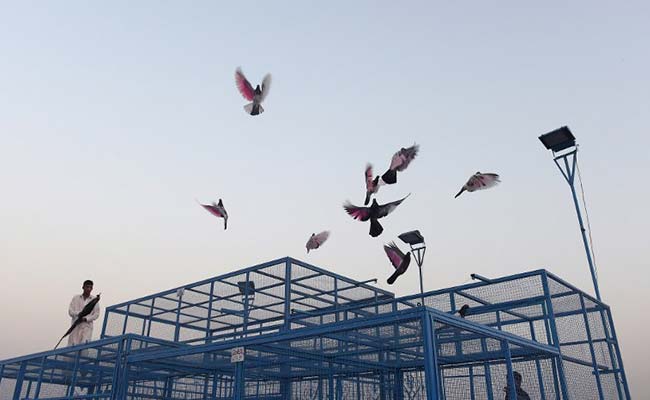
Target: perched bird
point(315, 241)
point(399, 162)
point(256, 95)
point(479, 181)
point(217, 210)
point(463, 310)
point(372, 213)
point(399, 260)
point(372, 185)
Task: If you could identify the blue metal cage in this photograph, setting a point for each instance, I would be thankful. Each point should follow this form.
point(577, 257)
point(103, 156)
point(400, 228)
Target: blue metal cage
point(289, 330)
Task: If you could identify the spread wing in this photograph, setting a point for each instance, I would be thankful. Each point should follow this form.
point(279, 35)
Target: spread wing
point(244, 86)
point(394, 254)
point(388, 208)
point(360, 213)
point(266, 85)
point(214, 210)
point(316, 241)
point(481, 181)
point(407, 155)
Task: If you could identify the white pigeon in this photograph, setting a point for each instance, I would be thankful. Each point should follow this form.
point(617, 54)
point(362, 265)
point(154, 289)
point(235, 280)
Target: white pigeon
point(479, 181)
point(315, 241)
point(256, 95)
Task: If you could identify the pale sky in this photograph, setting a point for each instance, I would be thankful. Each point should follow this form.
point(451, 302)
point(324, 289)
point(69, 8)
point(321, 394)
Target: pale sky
point(114, 117)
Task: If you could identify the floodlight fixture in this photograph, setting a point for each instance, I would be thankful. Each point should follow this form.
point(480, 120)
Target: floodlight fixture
point(558, 139)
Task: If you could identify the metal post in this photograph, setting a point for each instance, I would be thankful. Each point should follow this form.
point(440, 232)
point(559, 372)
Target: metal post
point(619, 357)
point(418, 254)
point(594, 361)
point(430, 358)
point(19, 381)
point(555, 337)
point(512, 393)
point(569, 176)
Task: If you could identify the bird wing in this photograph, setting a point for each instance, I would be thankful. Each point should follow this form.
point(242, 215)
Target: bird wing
point(406, 156)
point(322, 237)
point(214, 210)
point(388, 208)
point(316, 241)
point(244, 86)
point(369, 184)
point(394, 254)
point(396, 161)
point(360, 213)
point(266, 85)
point(481, 181)
point(88, 308)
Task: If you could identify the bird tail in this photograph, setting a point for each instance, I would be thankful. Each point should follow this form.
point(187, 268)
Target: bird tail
point(375, 228)
point(392, 278)
point(225, 223)
point(461, 191)
point(254, 108)
point(389, 177)
point(365, 203)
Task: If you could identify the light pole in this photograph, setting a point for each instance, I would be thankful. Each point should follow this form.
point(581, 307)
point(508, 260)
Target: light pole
point(418, 247)
point(557, 141)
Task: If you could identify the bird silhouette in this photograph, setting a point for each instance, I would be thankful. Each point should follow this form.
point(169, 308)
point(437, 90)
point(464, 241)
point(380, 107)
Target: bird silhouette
point(399, 260)
point(372, 213)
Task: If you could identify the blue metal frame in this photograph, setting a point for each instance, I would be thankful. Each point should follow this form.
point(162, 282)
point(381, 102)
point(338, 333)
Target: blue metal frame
point(313, 331)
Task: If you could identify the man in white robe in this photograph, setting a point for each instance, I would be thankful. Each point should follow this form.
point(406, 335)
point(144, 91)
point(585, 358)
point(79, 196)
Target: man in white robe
point(83, 333)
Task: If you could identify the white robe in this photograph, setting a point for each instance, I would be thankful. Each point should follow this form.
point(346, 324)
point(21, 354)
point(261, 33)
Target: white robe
point(84, 331)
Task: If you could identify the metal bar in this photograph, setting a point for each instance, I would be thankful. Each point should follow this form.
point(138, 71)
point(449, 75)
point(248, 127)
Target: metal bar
point(19, 381)
point(570, 178)
point(555, 337)
point(512, 394)
point(430, 357)
point(618, 356)
point(287, 295)
point(591, 349)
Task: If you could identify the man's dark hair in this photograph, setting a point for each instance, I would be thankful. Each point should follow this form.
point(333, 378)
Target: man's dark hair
point(88, 282)
point(517, 376)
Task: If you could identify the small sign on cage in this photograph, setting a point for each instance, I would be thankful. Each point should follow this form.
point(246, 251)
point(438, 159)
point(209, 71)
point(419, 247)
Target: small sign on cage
point(237, 354)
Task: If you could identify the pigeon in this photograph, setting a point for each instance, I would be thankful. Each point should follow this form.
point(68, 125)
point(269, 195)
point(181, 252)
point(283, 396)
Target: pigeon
point(463, 310)
point(372, 213)
point(217, 210)
point(315, 241)
point(399, 260)
point(399, 162)
point(372, 185)
point(479, 181)
point(256, 95)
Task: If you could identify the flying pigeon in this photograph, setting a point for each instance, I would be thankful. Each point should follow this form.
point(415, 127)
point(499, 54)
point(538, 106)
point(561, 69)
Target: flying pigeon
point(315, 241)
point(463, 310)
point(399, 162)
point(256, 95)
point(372, 185)
point(372, 213)
point(218, 211)
point(399, 260)
point(479, 181)
point(88, 308)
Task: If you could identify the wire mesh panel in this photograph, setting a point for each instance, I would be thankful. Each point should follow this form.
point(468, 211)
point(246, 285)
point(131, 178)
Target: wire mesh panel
point(307, 333)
